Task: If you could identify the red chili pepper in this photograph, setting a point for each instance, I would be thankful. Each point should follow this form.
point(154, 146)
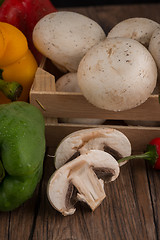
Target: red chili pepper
point(24, 14)
point(156, 142)
point(152, 154)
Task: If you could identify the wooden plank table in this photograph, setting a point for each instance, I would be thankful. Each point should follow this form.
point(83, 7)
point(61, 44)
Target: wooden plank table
point(131, 209)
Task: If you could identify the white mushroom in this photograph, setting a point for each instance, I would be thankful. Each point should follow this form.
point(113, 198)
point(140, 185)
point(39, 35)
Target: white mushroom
point(65, 37)
point(68, 83)
point(117, 74)
point(82, 180)
point(154, 48)
point(137, 28)
point(79, 142)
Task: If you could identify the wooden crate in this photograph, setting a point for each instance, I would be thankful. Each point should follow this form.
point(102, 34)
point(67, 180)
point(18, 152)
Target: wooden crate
point(56, 105)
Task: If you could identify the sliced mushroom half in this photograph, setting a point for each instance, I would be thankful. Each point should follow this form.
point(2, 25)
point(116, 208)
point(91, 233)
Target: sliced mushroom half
point(79, 142)
point(82, 180)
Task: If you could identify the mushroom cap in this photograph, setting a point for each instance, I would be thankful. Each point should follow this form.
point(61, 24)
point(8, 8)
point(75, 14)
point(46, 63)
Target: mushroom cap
point(83, 179)
point(79, 142)
point(64, 37)
point(137, 28)
point(154, 47)
point(68, 83)
point(117, 74)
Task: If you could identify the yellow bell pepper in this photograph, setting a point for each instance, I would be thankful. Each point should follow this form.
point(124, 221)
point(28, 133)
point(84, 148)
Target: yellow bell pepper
point(16, 60)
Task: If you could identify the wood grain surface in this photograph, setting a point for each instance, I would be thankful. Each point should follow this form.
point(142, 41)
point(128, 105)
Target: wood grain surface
point(131, 209)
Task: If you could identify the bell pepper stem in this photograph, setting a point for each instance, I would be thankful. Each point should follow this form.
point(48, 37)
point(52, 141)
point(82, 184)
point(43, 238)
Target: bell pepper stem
point(1, 1)
point(151, 155)
point(2, 172)
point(12, 90)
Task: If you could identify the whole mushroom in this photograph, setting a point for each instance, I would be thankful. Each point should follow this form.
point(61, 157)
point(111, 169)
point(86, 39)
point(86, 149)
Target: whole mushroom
point(65, 37)
point(79, 142)
point(137, 28)
point(82, 180)
point(68, 83)
point(117, 74)
point(154, 48)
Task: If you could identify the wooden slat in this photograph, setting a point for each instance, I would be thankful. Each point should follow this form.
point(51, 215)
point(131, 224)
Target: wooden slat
point(43, 82)
point(138, 136)
point(74, 105)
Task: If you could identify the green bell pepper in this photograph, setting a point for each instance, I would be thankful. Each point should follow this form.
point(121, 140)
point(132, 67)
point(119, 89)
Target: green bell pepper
point(22, 150)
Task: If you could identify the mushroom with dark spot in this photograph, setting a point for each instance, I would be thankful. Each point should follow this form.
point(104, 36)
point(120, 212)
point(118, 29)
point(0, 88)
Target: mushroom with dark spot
point(72, 35)
point(137, 28)
point(105, 89)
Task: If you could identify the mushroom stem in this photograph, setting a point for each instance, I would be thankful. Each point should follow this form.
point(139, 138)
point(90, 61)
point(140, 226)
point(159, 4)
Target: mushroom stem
point(90, 188)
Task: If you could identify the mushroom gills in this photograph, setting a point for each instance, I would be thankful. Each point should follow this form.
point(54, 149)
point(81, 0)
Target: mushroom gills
point(105, 174)
point(106, 148)
point(117, 155)
point(71, 196)
point(75, 155)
